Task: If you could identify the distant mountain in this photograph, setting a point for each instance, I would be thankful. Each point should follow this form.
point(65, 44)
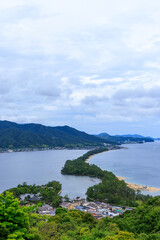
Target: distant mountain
point(133, 136)
point(103, 135)
point(128, 138)
point(13, 135)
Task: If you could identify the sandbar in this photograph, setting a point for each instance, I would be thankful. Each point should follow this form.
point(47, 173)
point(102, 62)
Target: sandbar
point(132, 185)
point(139, 186)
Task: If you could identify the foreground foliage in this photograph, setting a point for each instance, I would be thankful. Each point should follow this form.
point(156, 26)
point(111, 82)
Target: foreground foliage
point(144, 219)
point(49, 192)
point(14, 221)
point(20, 223)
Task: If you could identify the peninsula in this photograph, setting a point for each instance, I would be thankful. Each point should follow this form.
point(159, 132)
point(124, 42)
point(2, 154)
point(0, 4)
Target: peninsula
point(110, 189)
point(130, 185)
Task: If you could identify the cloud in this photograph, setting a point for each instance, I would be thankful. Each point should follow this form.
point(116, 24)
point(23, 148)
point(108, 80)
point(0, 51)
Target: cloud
point(92, 100)
point(54, 93)
point(87, 64)
point(138, 93)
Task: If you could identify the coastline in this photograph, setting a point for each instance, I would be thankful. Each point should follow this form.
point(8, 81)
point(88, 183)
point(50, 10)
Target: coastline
point(44, 149)
point(139, 186)
point(109, 149)
point(130, 185)
point(87, 160)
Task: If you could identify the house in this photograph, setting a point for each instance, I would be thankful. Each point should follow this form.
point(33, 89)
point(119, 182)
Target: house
point(45, 209)
point(26, 195)
point(30, 197)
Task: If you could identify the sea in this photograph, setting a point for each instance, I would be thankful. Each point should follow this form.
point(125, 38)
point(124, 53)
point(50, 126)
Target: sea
point(138, 163)
point(40, 167)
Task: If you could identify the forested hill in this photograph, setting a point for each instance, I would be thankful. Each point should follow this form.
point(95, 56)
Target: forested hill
point(13, 135)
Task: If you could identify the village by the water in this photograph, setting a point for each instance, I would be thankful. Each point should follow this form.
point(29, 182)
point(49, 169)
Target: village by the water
point(97, 209)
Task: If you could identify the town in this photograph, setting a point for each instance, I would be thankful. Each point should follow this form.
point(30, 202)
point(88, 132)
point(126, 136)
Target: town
point(97, 209)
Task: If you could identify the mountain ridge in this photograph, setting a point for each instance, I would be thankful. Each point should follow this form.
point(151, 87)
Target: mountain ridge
point(126, 138)
point(32, 135)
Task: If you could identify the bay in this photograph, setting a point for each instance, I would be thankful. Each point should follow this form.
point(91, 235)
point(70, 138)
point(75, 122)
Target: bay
point(39, 167)
point(138, 163)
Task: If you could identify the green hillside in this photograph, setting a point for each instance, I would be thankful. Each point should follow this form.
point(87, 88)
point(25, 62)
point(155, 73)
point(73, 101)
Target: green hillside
point(22, 223)
point(13, 136)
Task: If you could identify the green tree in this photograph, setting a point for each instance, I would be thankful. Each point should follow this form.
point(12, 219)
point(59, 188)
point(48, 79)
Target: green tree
point(14, 220)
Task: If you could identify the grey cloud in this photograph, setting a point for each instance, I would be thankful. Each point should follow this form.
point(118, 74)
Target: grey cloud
point(37, 52)
point(50, 92)
point(154, 92)
point(129, 93)
point(137, 93)
point(5, 86)
point(90, 100)
point(48, 86)
point(3, 90)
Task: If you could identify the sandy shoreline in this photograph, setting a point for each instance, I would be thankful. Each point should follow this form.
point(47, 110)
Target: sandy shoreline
point(91, 156)
point(138, 186)
point(132, 185)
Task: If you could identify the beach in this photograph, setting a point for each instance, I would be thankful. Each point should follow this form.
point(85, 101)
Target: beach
point(138, 186)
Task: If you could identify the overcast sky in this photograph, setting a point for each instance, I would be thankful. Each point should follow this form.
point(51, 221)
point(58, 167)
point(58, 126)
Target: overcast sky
point(90, 64)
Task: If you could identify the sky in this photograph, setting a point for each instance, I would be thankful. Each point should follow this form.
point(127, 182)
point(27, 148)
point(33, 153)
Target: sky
point(91, 64)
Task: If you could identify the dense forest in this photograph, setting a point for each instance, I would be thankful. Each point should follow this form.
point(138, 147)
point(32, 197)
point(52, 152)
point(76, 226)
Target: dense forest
point(49, 193)
point(22, 223)
point(143, 219)
point(21, 136)
point(15, 136)
point(110, 189)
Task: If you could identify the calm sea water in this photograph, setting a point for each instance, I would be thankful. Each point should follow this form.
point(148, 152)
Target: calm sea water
point(39, 168)
point(139, 163)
